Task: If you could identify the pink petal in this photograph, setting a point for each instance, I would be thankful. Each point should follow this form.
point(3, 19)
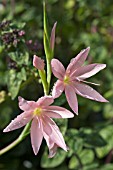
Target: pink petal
point(52, 38)
point(47, 129)
point(49, 142)
point(58, 112)
point(36, 135)
point(57, 69)
point(52, 114)
point(88, 92)
point(57, 89)
point(71, 98)
point(51, 145)
point(26, 105)
point(78, 61)
point(52, 151)
point(89, 70)
point(56, 135)
point(38, 62)
point(45, 101)
point(19, 122)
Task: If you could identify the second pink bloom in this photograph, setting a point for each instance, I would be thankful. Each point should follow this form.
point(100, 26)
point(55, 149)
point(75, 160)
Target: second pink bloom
point(42, 125)
point(72, 81)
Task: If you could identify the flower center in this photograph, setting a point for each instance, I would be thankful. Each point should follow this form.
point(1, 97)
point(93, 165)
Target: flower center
point(37, 111)
point(66, 79)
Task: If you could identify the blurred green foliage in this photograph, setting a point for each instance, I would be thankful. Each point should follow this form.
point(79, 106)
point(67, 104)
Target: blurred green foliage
point(79, 24)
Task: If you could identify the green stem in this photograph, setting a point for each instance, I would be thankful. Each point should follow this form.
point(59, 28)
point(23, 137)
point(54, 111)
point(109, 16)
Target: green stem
point(17, 141)
point(44, 81)
point(48, 73)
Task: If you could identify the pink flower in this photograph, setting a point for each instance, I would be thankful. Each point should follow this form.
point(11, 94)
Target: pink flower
point(72, 81)
point(38, 62)
point(42, 125)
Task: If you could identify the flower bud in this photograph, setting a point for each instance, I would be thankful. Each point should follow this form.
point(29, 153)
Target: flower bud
point(38, 62)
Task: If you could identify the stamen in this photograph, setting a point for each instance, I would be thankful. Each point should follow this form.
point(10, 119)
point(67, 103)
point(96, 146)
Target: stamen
point(37, 111)
point(66, 79)
point(90, 82)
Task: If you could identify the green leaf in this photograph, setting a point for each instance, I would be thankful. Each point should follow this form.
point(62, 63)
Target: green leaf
point(47, 48)
point(106, 167)
point(3, 78)
point(5, 115)
point(91, 138)
point(86, 156)
point(92, 166)
point(46, 25)
point(2, 47)
point(2, 96)
point(74, 142)
point(73, 163)
point(14, 81)
point(94, 140)
point(108, 111)
point(107, 135)
point(19, 25)
point(20, 58)
point(55, 161)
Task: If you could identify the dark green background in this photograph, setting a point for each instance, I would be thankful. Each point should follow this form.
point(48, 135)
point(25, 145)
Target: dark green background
point(80, 23)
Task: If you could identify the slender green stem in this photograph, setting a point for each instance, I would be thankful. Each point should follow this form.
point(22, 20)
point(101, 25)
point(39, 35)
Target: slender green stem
point(18, 140)
point(10, 146)
point(25, 131)
point(48, 72)
point(44, 81)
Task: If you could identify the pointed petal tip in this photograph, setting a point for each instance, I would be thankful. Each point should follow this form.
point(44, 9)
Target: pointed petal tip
point(88, 48)
point(102, 100)
point(76, 113)
point(104, 65)
point(65, 149)
point(105, 101)
point(35, 149)
point(72, 115)
point(5, 130)
point(55, 23)
point(20, 98)
point(35, 153)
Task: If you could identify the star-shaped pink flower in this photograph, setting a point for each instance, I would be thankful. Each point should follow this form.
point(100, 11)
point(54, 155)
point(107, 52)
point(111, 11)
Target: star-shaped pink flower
point(72, 81)
point(42, 125)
